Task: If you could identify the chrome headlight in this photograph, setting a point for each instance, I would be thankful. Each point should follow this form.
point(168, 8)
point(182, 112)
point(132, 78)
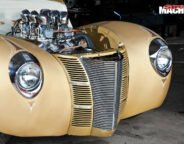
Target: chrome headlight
point(26, 74)
point(160, 57)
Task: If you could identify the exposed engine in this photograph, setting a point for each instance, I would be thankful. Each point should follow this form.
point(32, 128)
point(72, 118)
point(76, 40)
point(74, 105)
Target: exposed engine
point(50, 31)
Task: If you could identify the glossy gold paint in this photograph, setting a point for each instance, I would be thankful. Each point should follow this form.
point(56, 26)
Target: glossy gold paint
point(146, 89)
point(86, 131)
point(50, 112)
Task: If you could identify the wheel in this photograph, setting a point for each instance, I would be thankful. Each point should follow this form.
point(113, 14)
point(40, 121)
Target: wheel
point(4, 138)
point(70, 3)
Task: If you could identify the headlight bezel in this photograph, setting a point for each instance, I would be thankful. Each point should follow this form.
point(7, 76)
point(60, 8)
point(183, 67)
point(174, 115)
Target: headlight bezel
point(22, 60)
point(156, 47)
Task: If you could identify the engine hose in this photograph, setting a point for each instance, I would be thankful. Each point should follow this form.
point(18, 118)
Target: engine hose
point(87, 38)
point(59, 31)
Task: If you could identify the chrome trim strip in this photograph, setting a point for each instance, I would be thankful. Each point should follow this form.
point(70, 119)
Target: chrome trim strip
point(80, 83)
point(122, 100)
point(82, 107)
point(115, 94)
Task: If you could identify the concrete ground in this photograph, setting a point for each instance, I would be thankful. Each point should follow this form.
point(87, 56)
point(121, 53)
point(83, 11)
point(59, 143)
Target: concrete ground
point(160, 126)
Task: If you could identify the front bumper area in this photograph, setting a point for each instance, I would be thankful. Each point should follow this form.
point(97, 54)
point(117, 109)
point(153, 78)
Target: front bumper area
point(99, 86)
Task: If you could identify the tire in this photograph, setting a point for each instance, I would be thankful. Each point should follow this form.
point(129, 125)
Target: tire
point(4, 138)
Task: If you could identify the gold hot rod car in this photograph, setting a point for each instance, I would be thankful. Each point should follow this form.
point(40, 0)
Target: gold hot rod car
point(57, 80)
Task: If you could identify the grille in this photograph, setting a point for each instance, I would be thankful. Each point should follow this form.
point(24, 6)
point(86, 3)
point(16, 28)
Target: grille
point(125, 82)
point(125, 65)
point(81, 92)
point(125, 78)
point(81, 117)
point(105, 74)
point(81, 95)
point(74, 69)
point(99, 88)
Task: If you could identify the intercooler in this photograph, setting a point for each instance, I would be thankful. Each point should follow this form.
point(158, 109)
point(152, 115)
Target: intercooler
point(99, 84)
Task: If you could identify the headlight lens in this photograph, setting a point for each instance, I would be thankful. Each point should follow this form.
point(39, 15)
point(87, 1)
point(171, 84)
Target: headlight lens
point(164, 59)
point(29, 76)
point(160, 57)
point(26, 74)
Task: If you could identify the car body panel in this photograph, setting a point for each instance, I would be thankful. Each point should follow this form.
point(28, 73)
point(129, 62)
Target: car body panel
point(147, 89)
point(47, 114)
point(50, 113)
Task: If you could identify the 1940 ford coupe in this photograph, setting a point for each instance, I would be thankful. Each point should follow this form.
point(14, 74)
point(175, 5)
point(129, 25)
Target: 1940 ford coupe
point(57, 80)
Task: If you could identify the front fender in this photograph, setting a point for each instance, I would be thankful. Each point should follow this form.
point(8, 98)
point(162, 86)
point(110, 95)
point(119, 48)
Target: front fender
point(48, 114)
point(147, 89)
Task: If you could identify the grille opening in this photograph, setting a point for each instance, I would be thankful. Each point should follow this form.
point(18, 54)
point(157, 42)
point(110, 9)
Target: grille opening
point(105, 74)
point(99, 87)
point(82, 117)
